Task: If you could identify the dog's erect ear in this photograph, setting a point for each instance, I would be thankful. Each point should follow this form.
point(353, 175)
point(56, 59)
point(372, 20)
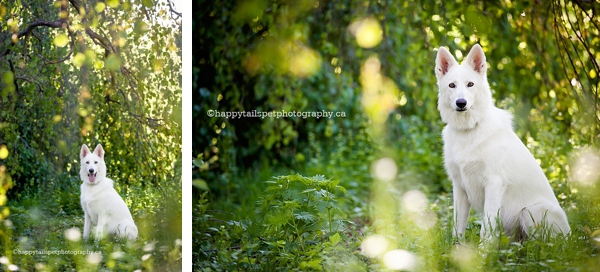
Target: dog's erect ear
point(443, 62)
point(99, 151)
point(84, 151)
point(476, 59)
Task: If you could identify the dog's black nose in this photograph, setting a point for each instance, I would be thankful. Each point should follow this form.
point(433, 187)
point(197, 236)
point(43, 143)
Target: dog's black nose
point(91, 170)
point(461, 103)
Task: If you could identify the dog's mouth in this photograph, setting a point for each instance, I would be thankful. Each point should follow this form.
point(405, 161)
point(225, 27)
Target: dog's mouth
point(461, 109)
point(92, 176)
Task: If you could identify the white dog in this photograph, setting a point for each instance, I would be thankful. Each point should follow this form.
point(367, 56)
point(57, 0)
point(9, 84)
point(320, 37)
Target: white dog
point(101, 204)
point(491, 170)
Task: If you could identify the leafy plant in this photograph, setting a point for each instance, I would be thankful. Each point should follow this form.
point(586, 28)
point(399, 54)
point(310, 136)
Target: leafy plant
point(298, 223)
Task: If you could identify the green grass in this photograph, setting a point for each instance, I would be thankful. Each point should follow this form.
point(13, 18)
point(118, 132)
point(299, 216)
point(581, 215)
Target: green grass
point(241, 233)
point(44, 236)
point(234, 230)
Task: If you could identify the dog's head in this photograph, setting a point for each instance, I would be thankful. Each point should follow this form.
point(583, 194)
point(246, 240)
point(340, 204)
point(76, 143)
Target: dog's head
point(464, 87)
point(93, 169)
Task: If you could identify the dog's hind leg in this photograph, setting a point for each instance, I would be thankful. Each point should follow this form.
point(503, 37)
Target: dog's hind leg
point(128, 231)
point(132, 232)
point(543, 220)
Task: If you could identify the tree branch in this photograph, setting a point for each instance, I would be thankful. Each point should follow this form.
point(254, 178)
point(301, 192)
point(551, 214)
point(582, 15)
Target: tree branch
point(29, 28)
point(173, 11)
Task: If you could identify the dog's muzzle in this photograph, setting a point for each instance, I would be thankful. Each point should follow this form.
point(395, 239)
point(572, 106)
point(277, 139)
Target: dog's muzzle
point(92, 175)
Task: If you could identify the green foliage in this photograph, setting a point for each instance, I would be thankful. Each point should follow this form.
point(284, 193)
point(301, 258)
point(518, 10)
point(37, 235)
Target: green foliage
point(87, 72)
point(299, 224)
point(42, 233)
point(283, 204)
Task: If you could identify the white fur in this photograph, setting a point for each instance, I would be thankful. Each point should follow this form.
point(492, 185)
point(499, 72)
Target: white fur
point(101, 204)
point(491, 170)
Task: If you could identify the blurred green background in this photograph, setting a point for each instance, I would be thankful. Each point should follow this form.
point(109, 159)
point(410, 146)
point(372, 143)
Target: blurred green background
point(256, 179)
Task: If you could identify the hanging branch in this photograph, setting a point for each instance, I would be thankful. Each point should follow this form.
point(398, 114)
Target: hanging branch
point(109, 48)
point(98, 39)
point(573, 47)
point(174, 14)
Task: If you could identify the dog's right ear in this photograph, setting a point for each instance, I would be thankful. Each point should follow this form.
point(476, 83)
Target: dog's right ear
point(443, 62)
point(84, 151)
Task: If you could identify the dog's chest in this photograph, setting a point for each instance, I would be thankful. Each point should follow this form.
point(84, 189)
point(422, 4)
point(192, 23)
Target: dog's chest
point(92, 199)
point(468, 163)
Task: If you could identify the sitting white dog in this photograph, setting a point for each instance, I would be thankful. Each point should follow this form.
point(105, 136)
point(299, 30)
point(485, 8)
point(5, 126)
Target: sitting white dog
point(490, 167)
point(101, 204)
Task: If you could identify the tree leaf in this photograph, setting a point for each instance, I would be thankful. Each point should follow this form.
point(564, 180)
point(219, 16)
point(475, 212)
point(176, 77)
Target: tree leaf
point(112, 3)
point(200, 184)
point(99, 7)
point(147, 3)
point(113, 62)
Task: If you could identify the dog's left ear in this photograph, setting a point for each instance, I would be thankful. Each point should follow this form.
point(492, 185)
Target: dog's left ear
point(476, 59)
point(99, 151)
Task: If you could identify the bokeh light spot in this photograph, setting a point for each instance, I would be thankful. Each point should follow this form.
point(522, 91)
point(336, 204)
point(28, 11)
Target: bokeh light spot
point(367, 31)
point(585, 169)
point(384, 169)
point(399, 259)
point(374, 246)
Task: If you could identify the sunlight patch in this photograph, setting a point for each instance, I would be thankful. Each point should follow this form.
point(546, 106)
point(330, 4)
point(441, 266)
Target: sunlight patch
point(374, 246)
point(117, 255)
point(585, 167)
point(384, 169)
point(414, 201)
point(94, 258)
point(73, 234)
point(399, 259)
point(464, 256)
point(149, 247)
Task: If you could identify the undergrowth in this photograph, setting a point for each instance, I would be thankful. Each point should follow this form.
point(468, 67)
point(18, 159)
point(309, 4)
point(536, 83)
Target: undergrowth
point(43, 235)
point(282, 219)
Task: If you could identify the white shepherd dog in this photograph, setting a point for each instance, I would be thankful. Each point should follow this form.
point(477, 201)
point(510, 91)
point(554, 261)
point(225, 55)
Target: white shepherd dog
point(490, 168)
point(101, 204)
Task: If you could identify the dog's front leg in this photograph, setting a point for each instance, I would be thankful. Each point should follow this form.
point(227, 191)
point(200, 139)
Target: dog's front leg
point(100, 227)
point(87, 226)
point(462, 207)
point(494, 192)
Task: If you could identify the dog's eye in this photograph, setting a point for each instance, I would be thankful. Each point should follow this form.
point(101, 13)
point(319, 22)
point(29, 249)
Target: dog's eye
point(470, 84)
point(87, 162)
point(95, 162)
point(452, 85)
